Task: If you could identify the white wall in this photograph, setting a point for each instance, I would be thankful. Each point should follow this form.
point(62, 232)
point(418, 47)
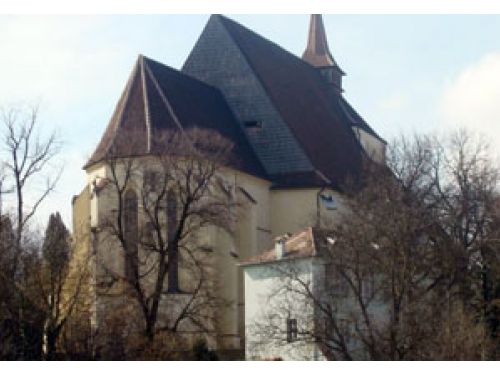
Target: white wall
point(266, 298)
point(271, 297)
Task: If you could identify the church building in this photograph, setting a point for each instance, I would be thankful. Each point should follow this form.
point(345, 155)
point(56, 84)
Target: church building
point(296, 138)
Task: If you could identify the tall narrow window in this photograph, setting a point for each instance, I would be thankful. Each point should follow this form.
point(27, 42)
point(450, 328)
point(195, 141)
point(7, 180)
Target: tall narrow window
point(291, 330)
point(131, 234)
point(150, 181)
point(173, 254)
point(345, 329)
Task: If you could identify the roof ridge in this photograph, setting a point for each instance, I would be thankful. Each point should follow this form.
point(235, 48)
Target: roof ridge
point(268, 256)
point(308, 66)
point(180, 72)
point(116, 122)
point(262, 81)
point(147, 114)
point(164, 98)
point(123, 105)
point(230, 20)
point(168, 99)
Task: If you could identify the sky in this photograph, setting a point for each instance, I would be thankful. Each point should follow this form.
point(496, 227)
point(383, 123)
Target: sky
point(405, 73)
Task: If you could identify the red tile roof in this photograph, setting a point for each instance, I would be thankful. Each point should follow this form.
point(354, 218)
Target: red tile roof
point(308, 243)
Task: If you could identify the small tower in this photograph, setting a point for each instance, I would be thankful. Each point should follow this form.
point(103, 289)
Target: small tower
point(318, 54)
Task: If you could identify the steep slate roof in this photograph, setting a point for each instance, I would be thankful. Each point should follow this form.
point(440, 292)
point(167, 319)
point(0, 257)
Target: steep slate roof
point(355, 119)
point(318, 149)
point(158, 98)
point(309, 106)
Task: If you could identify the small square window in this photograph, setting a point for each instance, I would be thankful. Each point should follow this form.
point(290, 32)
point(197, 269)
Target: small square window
point(150, 181)
point(335, 281)
point(253, 124)
point(328, 201)
point(291, 330)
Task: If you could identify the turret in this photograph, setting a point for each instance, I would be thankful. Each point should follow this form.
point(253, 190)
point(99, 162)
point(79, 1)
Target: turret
point(318, 54)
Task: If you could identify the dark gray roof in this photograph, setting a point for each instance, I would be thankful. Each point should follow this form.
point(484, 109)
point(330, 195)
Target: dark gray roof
point(319, 119)
point(231, 76)
point(158, 98)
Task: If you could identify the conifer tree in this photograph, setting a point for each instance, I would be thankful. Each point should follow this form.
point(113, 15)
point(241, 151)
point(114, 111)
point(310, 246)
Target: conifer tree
point(55, 254)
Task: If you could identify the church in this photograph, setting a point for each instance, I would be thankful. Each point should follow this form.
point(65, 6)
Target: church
point(297, 139)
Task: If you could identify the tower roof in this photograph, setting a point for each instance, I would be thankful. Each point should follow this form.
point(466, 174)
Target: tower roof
point(157, 99)
point(317, 52)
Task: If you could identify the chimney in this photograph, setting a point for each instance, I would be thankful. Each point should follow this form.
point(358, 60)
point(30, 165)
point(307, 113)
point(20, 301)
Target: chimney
point(280, 248)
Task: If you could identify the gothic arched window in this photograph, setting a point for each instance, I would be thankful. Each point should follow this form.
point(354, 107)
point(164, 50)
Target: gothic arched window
point(130, 222)
point(173, 251)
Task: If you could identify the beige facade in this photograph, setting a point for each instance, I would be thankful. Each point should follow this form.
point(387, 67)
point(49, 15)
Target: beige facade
point(265, 214)
point(276, 111)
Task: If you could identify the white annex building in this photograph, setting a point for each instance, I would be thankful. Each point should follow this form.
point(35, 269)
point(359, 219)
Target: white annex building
point(287, 290)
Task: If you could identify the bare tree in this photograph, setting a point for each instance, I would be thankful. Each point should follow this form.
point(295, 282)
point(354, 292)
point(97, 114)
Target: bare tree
point(162, 207)
point(26, 160)
point(407, 262)
point(374, 280)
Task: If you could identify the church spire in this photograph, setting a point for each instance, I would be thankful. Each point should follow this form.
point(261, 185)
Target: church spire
point(318, 54)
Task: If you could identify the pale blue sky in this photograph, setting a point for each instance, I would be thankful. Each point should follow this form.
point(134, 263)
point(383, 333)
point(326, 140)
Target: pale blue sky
point(404, 73)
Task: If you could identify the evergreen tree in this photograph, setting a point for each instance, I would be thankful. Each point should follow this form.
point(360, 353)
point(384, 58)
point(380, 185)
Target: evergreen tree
point(56, 254)
point(56, 245)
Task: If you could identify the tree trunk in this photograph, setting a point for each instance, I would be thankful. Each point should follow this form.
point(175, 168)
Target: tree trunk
point(50, 352)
